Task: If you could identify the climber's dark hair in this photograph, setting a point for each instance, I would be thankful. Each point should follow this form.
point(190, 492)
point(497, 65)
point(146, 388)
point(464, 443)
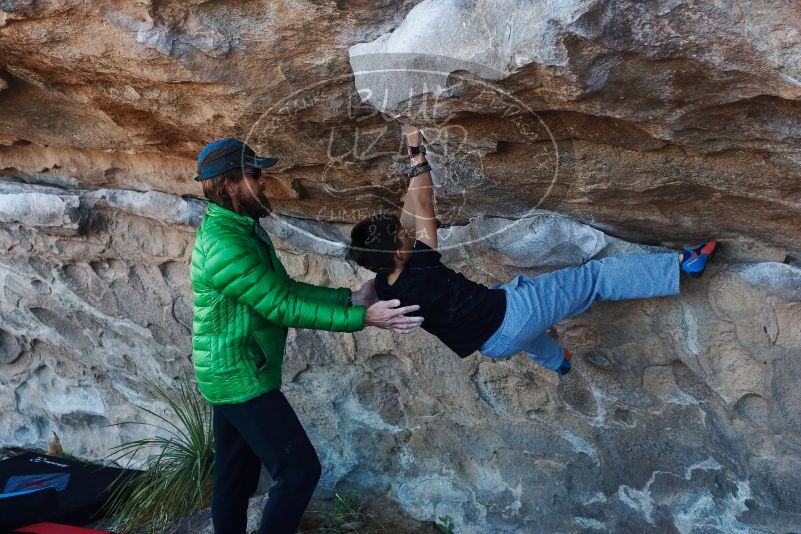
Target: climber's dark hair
point(374, 241)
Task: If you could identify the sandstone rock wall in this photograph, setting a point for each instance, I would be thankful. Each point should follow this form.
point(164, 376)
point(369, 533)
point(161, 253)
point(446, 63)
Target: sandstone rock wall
point(560, 132)
point(681, 412)
point(662, 119)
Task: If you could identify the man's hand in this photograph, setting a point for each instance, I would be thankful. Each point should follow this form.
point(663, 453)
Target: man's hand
point(386, 314)
point(366, 296)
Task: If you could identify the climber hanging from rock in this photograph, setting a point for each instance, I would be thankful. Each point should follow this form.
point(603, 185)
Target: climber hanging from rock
point(244, 301)
point(503, 319)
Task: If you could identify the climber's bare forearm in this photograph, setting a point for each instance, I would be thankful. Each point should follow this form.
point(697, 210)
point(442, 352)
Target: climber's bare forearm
point(421, 188)
point(420, 196)
point(407, 215)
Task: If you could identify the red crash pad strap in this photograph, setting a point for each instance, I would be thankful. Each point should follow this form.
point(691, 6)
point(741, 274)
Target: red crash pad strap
point(55, 528)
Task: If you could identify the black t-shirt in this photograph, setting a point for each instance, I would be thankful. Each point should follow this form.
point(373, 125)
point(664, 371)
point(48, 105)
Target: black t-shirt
point(461, 313)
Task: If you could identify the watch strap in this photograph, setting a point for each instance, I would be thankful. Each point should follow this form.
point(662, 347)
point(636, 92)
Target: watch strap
point(420, 168)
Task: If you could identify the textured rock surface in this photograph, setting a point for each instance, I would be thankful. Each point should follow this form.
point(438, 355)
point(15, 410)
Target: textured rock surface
point(576, 128)
point(681, 413)
point(657, 120)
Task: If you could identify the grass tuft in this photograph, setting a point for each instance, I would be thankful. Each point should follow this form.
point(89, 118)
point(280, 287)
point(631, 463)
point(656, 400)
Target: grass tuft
point(445, 524)
point(177, 479)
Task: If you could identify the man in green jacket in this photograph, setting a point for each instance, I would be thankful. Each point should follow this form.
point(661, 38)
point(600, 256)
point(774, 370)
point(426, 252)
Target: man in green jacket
point(244, 302)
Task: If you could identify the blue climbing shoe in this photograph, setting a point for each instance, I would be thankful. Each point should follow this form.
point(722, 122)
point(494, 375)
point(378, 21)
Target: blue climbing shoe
point(565, 366)
point(697, 257)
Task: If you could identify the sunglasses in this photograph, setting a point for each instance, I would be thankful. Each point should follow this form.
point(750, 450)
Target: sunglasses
point(253, 172)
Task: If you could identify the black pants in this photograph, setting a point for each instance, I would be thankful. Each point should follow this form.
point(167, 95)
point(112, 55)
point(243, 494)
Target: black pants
point(264, 430)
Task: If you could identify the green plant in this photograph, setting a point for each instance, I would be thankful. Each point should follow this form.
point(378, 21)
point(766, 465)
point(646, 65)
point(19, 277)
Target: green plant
point(445, 524)
point(177, 480)
point(347, 507)
point(71, 457)
point(345, 515)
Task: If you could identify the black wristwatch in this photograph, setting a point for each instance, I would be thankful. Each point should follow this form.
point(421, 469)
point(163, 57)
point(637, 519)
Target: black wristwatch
point(350, 299)
point(416, 150)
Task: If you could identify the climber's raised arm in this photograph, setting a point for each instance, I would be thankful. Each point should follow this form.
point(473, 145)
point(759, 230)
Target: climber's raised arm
point(418, 216)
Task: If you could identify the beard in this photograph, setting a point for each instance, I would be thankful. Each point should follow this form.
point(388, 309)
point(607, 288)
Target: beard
point(255, 204)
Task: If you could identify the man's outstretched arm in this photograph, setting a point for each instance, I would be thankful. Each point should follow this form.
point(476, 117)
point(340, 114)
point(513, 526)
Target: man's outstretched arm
point(420, 197)
point(236, 269)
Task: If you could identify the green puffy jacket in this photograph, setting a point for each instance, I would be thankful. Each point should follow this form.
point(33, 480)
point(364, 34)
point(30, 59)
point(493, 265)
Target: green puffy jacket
point(244, 301)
